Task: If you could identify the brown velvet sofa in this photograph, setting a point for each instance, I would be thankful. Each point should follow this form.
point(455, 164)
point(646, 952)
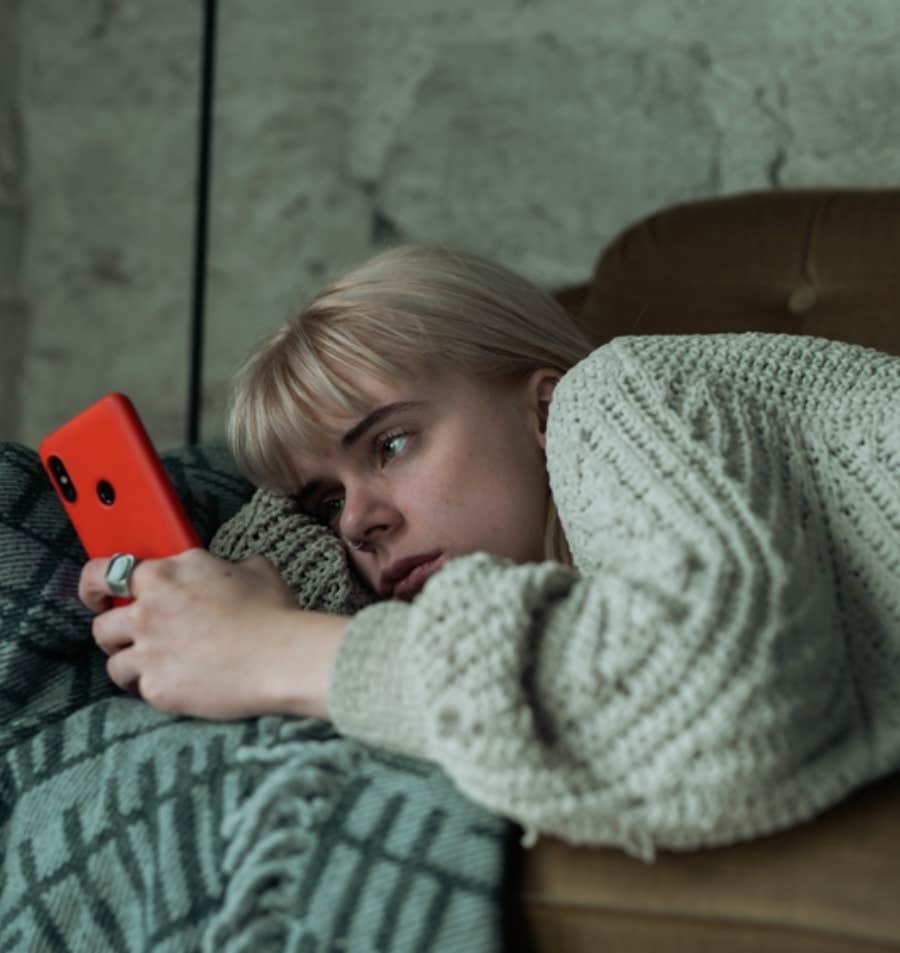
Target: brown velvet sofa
point(827, 263)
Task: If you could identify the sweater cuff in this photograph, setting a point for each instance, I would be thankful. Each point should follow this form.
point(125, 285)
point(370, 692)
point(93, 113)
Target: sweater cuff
point(372, 695)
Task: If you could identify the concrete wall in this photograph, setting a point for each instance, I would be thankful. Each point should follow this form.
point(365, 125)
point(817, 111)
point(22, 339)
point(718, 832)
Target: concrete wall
point(13, 314)
point(108, 99)
point(529, 130)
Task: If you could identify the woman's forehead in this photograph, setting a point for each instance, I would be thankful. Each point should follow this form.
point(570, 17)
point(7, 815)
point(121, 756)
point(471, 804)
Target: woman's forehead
point(368, 394)
point(371, 393)
point(334, 425)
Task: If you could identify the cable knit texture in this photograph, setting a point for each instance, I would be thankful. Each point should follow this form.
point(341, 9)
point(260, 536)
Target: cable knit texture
point(724, 659)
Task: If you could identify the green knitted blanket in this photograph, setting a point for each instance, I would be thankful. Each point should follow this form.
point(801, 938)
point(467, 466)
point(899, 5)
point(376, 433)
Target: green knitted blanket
point(125, 829)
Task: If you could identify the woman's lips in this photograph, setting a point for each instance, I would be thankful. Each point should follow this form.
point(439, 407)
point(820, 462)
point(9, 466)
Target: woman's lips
point(413, 581)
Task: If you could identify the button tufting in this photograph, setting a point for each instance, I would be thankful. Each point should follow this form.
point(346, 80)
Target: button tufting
point(802, 299)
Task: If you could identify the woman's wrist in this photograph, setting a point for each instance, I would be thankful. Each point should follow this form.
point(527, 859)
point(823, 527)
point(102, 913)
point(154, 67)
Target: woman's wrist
point(299, 668)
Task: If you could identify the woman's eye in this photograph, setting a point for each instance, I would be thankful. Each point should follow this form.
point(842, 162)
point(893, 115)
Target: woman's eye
point(393, 445)
point(329, 510)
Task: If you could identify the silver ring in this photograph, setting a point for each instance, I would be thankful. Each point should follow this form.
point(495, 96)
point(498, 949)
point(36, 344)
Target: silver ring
point(355, 543)
point(118, 574)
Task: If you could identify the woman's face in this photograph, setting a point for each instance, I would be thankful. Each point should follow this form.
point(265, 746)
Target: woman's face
point(440, 466)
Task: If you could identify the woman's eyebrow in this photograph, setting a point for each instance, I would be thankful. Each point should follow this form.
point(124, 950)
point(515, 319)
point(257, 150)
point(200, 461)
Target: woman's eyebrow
point(357, 431)
point(353, 435)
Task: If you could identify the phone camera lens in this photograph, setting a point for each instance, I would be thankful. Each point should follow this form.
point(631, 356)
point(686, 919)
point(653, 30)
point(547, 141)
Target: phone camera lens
point(63, 481)
point(106, 492)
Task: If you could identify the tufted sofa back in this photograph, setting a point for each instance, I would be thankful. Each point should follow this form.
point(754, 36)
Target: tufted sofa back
point(822, 262)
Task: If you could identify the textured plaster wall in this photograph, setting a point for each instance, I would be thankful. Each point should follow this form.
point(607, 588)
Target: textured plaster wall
point(108, 98)
point(13, 316)
point(528, 130)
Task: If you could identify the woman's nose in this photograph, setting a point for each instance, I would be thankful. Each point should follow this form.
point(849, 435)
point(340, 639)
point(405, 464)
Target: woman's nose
point(365, 514)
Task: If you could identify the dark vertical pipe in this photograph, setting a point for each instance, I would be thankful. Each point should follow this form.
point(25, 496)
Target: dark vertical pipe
point(201, 223)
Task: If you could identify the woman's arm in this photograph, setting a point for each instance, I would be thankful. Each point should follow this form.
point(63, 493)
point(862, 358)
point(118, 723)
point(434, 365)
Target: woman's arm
point(214, 639)
point(608, 709)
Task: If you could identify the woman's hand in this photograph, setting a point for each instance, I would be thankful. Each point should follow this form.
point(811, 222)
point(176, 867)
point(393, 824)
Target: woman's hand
point(214, 639)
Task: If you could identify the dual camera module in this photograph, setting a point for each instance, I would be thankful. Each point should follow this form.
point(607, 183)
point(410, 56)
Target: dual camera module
point(105, 491)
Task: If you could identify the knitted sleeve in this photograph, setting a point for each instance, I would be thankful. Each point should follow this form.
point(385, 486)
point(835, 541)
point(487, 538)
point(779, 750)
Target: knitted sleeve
point(686, 684)
point(309, 557)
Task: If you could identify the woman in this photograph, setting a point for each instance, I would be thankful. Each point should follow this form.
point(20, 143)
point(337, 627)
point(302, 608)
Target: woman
point(644, 596)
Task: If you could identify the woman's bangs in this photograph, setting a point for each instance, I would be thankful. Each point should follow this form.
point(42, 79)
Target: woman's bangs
point(319, 380)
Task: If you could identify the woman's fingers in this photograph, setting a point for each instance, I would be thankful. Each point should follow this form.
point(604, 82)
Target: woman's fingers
point(123, 671)
point(112, 631)
point(210, 638)
point(93, 589)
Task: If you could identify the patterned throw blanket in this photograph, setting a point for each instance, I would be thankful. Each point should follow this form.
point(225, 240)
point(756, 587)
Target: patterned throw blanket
point(125, 829)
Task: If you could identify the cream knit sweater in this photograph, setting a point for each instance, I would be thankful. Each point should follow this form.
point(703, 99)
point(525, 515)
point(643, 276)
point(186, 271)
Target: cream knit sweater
point(724, 659)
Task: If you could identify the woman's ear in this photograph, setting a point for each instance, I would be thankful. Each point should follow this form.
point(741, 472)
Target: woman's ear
point(541, 385)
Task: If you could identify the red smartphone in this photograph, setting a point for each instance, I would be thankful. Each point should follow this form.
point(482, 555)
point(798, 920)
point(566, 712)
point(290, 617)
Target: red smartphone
point(113, 485)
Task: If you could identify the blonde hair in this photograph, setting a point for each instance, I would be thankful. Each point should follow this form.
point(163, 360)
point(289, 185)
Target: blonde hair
point(410, 307)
